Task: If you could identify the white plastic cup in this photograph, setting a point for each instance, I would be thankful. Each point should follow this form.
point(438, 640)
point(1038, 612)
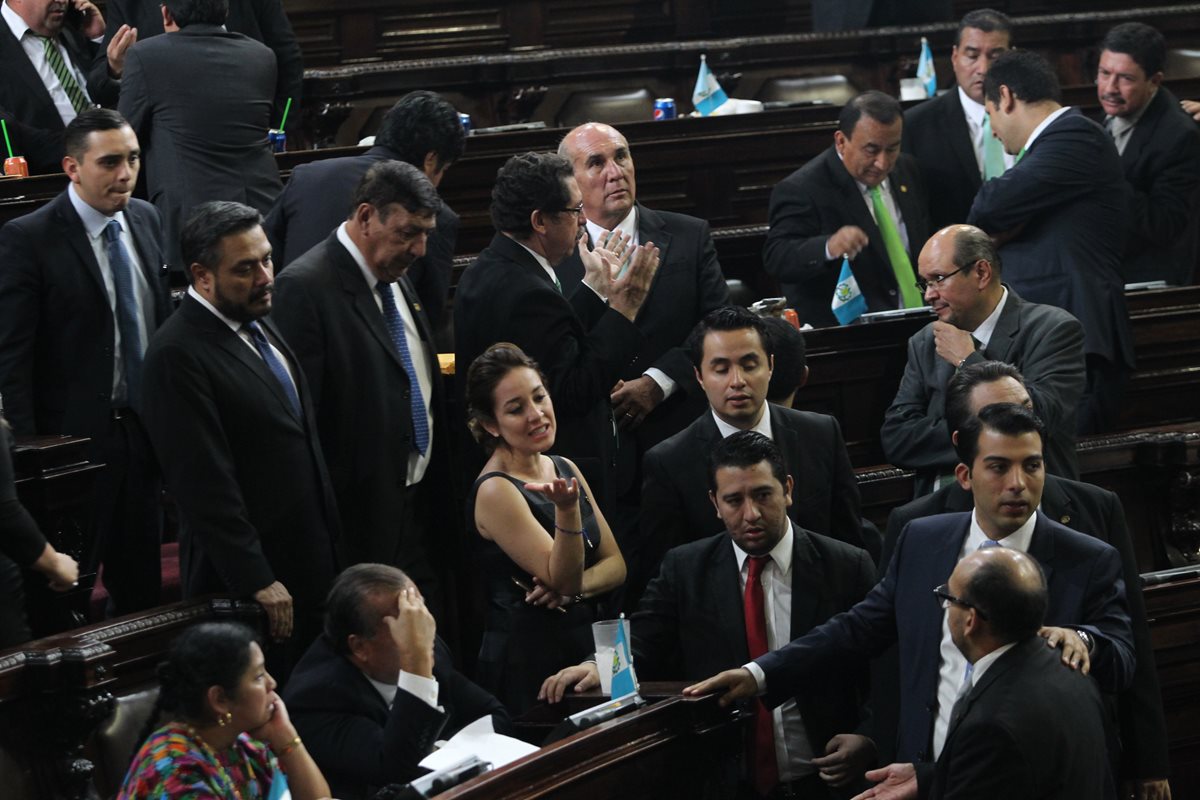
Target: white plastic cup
point(604, 636)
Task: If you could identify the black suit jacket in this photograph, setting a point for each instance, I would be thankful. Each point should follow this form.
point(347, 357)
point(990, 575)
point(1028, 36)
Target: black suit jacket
point(1069, 204)
point(690, 622)
point(1029, 728)
point(357, 741)
point(57, 329)
point(23, 95)
point(255, 503)
point(1161, 163)
point(937, 134)
point(317, 198)
point(1044, 342)
point(361, 394)
point(1096, 512)
point(582, 346)
point(809, 206)
point(200, 103)
point(261, 20)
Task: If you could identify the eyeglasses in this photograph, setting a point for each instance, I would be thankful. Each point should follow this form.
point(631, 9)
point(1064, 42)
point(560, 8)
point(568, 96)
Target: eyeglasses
point(937, 280)
point(942, 593)
point(576, 210)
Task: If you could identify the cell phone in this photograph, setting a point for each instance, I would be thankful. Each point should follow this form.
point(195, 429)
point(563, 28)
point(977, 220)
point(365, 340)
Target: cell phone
point(73, 16)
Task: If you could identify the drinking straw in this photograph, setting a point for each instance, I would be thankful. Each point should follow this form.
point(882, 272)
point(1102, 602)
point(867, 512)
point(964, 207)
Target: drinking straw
point(7, 143)
point(286, 109)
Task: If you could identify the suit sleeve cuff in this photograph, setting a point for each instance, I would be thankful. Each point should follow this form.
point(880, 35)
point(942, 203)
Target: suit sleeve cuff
point(422, 688)
point(664, 382)
point(760, 677)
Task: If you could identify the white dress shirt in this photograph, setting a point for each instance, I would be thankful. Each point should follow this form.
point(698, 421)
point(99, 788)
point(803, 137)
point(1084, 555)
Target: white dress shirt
point(417, 462)
point(420, 687)
point(983, 334)
point(35, 49)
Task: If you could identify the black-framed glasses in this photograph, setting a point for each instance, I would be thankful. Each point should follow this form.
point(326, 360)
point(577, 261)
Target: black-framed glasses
point(576, 210)
point(942, 593)
point(937, 280)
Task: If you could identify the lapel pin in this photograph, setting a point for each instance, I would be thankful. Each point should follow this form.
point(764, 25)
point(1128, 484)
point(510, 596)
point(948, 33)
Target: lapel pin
point(417, 306)
point(1065, 519)
point(903, 188)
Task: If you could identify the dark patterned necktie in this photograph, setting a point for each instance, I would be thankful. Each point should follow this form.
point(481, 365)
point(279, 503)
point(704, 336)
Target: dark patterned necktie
point(395, 327)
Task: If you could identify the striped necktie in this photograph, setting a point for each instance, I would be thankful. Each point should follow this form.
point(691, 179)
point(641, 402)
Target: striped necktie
point(79, 100)
point(395, 327)
point(125, 285)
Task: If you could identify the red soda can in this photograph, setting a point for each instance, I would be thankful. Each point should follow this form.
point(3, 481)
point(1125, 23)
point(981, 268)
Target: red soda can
point(791, 316)
point(16, 166)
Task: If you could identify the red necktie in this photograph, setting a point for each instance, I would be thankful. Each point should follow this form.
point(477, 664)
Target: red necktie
point(764, 770)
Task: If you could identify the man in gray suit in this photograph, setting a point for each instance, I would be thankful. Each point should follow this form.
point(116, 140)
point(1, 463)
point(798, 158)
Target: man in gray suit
point(200, 101)
point(979, 319)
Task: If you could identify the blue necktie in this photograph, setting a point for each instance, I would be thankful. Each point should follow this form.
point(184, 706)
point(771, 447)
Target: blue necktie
point(395, 326)
point(132, 350)
point(277, 369)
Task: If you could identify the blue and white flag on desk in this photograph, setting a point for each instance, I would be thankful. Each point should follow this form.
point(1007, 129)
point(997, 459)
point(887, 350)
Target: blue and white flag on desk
point(848, 302)
point(708, 95)
point(623, 680)
point(925, 72)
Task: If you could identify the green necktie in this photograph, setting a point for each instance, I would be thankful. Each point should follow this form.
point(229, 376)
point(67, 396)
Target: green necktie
point(993, 152)
point(901, 266)
point(1019, 156)
point(78, 99)
point(557, 284)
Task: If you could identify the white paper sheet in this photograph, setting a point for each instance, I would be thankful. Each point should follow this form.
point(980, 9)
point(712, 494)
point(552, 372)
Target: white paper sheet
point(478, 739)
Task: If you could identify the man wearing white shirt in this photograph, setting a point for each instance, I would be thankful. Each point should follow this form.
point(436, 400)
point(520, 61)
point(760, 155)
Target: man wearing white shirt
point(950, 135)
point(723, 599)
point(378, 688)
point(366, 347)
point(980, 319)
point(861, 199)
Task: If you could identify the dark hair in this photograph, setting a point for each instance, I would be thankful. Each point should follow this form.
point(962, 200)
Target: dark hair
point(726, 318)
point(883, 108)
point(388, 182)
point(1027, 75)
point(419, 123)
point(971, 245)
point(787, 344)
point(483, 376)
point(187, 12)
point(526, 183)
point(964, 381)
point(347, 611)
point(208, 224)
point(205, 655)
point(1014, 609)
point(1139, 41)
point(87, 122)
point(742, 450)
point(1008, 419)
point(983, 19)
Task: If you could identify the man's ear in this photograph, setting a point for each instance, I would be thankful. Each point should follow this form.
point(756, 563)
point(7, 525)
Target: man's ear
point(713, 498)
point(787, 491)
point(537, 221)
point(358, 648)
point(1008, 100)
point(962, 473)
point(803, 379)
point(71, 167)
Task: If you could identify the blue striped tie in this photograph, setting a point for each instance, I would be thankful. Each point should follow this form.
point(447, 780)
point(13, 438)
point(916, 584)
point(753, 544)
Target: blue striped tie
point(274, 364)
point(132, 349)
point(395, 326)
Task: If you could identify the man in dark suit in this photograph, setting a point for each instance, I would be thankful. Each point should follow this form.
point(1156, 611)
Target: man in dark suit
point(512, 293)
point(366, 349)
point(1160, 154)
point(1060, 217)
point(421, 129)
point(372, 695)
point(1022, 725)
point(860, 198)
point(232, 422)
point(733, 366)
point(694, 617)
point(1084, 508)
point(46, 48)
point(1001, 454)
point(262, 20)
point(979, 319)
point(950, 135)
point(201, 100)
point(82, 290)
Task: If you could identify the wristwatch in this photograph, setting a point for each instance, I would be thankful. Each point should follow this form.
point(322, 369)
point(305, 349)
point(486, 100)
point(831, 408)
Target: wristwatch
point(1088, 641)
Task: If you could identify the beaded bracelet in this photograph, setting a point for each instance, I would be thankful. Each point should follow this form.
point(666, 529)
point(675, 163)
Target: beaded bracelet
point(290, 747)
point(579, 532)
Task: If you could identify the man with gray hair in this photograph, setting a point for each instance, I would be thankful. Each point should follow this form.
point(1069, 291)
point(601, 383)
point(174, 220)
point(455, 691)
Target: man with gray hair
point(980, 319)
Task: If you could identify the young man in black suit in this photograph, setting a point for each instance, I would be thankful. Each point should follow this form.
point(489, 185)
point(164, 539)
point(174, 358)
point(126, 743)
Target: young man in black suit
point(372, 695)
point(366, 348)
point(82, 290)
point(692, 620)
point(1023, 725)
point(232, 422)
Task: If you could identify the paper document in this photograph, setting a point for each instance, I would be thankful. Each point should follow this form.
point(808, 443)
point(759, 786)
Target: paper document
point(478, 739)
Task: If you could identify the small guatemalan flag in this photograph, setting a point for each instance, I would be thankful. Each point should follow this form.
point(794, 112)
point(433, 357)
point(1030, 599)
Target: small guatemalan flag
point(848, 303)
point(925, 69)
point(623, 680)
point(708, 95)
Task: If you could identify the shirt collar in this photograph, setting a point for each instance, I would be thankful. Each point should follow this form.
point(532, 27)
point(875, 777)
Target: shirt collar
point(1120, 124)
point(983, 334)
point(233, 324)
point(781, 553)
point(386, 690)
point(974, 111)
point(627, 226)
point(1044, 124)
point(93, 221)
point(541, 260)
point(343, 236)
point(763, 426)
point(1017, 540)
point(981, 666)
point(15, 23)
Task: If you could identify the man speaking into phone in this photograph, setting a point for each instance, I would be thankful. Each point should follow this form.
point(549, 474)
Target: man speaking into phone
point(46, 47)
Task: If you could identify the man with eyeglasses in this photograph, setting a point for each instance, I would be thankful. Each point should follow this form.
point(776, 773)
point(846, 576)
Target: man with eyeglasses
point(980, 319)
point(1000, 453)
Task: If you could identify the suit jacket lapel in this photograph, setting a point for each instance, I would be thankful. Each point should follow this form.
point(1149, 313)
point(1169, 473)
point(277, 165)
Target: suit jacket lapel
point(362, 298)
point(958, 134)
point(1000, 666)
point(855, 204)
point(152, 266)
point(16, 60)
point(650, 229)
point(1041, 547)
point(907, 203)
point(77, 239)
point(788, 442)
point(728, 601)
point(808, 581)
point(1143, 132)
point(1007, 327)
point(1056, 503)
